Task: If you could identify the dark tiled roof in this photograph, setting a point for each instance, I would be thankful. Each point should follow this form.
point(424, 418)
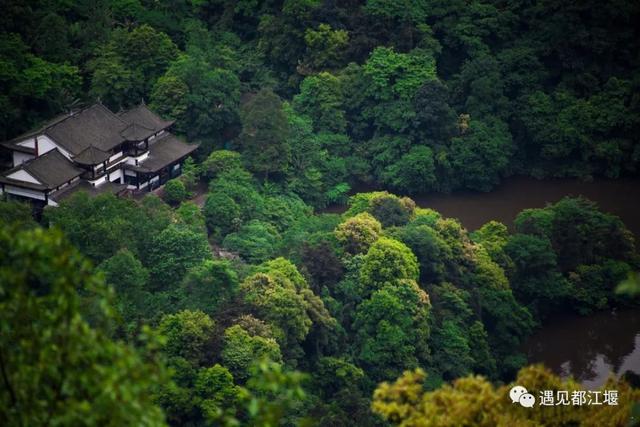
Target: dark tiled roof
point(107, 187)
point(145, 117)
point(95, 126)
point(51, 169)
point(163, 152)
point(14, 146)
point(136, 132)
point(91, 156)
point(38, 130)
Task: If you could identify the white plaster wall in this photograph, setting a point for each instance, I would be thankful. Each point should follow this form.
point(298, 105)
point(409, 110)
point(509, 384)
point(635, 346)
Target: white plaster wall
point(99, 181)
point(117, 174)
point(31, 142)
point(46, 144)
point(115, 156)
point(23, 175)
point(19, 158)
point(25, 192)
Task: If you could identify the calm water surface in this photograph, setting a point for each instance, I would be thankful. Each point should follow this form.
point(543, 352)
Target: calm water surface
point(589, 348)
point(620, 197)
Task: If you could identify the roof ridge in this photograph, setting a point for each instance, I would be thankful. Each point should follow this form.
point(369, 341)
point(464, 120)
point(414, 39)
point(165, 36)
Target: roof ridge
point(30, 162)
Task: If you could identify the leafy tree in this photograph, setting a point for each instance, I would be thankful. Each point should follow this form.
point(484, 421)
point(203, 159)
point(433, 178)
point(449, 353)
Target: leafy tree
point(474, 400)
point(129, 279)
point(387, 261)
point(220, 161)
point(129, 65)
point(392, 329)
point(320, 98)
point(391, 210)
point(190, 215)
point(104, 381)
point(325, 46)
point(255, 241)
point(175, 251)
point(241, 349)
point(413, 173)
point(203, 99)
point(430, 249)
point(264, 134)
point(188, 335)
point(221, 213)
point(209, 286)
point(175, 191)
point(27, 81)
point(480, 156)
point(392, 79)
point(17, 214)
point(358, 233)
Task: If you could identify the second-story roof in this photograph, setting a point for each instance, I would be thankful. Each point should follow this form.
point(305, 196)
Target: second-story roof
point(94, 126)
point(143, 116)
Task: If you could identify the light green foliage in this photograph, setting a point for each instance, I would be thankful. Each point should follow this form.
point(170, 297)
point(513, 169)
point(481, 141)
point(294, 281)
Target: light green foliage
point(392, 329)
point(473, 400)
point(241, 349)
point(190, 215)
point(220, 161)
point(103, 381)
point(209, 285)
point(387, 261)
point(175, 192)
point(255, 241)
point(279, 303)
point(358, 233)
point(282, 297)
point(218, 394)
point(188, 335)
point(175, 250)
point(392, 80)
point(325, 46)
point(320, 98)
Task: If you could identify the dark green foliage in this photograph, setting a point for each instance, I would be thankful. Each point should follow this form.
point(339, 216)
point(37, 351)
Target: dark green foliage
point(255, 241)
point(264, 133)
point(209, 285)
point(17, 214)
point(319, 97)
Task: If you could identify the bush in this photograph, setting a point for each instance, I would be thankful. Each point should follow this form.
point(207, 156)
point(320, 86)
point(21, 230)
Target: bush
point(175, 192)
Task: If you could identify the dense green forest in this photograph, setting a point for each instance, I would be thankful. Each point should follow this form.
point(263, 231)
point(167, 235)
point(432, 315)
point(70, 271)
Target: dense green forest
point(320, 95)
point(248, 305)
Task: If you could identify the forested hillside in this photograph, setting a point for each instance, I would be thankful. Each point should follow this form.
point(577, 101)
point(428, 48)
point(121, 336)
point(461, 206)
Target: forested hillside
point(320, 95)
point(231, 296)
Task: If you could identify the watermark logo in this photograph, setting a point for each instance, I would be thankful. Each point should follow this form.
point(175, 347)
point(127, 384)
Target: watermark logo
point(519, 394)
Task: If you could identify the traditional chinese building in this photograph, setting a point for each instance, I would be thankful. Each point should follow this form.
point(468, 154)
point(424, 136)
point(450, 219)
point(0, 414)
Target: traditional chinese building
point(95, 150)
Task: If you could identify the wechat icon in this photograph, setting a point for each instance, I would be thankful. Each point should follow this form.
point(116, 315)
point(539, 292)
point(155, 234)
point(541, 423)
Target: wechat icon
point(519, 394)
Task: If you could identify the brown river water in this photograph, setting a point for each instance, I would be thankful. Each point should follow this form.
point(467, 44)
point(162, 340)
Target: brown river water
point(587, 348)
